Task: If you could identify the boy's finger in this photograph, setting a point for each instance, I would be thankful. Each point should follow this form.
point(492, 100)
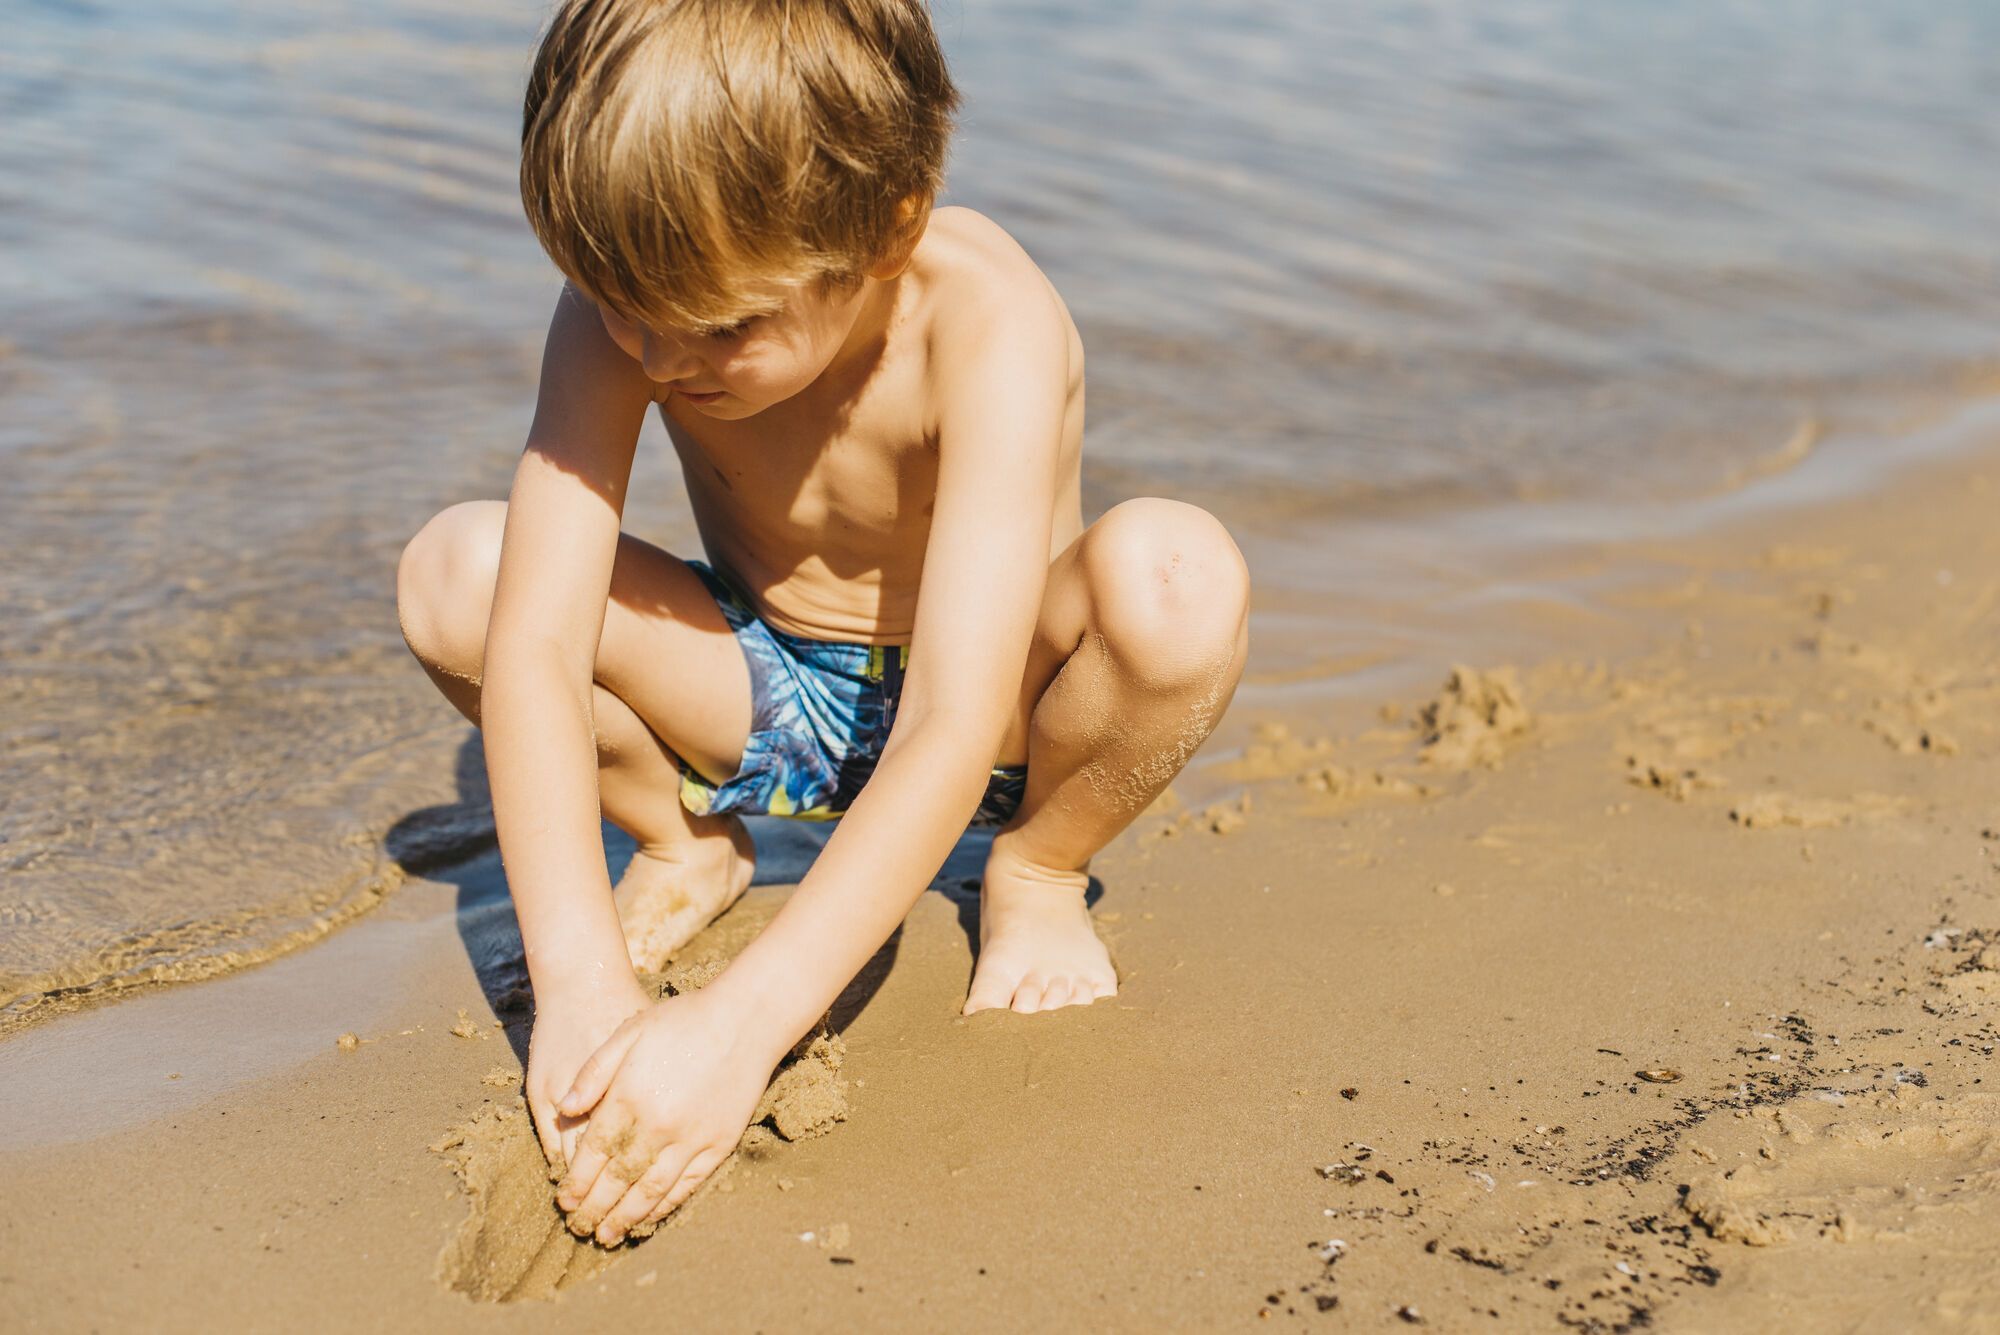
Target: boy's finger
point(697, 1172)
point(616, 1178)
point(570, 1130)
point(593, 1152)
point(640, 1199)
point(595, 1077)
point(545, 1131)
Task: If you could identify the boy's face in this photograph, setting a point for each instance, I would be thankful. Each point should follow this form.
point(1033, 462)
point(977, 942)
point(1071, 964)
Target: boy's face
point(739, 372)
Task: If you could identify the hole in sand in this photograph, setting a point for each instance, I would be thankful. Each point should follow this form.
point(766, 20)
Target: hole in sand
point(513, 1244)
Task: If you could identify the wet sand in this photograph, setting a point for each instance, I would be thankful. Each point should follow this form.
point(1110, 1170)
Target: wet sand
point(1645, 973)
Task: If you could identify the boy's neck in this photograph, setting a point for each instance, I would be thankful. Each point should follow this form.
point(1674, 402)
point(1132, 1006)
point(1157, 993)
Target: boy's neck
point(865, 340)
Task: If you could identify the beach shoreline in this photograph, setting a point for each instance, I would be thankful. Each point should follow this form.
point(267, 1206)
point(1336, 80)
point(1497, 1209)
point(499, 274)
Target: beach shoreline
point(1345, 275)
point(1406, 602)
point(1654, 981)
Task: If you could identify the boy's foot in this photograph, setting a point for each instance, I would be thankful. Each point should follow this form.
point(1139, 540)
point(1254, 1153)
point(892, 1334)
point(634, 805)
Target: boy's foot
point(668, 895)
point(1037, 948)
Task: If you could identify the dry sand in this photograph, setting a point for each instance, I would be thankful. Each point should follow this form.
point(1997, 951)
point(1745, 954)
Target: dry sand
point(1647, 980)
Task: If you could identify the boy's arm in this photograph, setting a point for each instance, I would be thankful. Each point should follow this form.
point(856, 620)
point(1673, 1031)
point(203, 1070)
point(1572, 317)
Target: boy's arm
point(535, 697)
point(1003, 390)
point(669, 1094)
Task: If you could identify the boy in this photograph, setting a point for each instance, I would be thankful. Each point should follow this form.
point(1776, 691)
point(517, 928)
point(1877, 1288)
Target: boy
point(878, 410)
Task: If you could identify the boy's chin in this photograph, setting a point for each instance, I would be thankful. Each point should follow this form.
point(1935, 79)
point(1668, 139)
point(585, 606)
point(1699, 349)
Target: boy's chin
point(728, 408)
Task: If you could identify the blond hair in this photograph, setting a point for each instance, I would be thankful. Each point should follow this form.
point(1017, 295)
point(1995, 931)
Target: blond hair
point(676, 154)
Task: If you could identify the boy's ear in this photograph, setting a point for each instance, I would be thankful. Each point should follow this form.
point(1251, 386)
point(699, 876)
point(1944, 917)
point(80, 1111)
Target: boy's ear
point(913, 215)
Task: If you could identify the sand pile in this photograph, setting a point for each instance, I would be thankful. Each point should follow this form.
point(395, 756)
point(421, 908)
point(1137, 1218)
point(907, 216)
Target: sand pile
point(1472, 720)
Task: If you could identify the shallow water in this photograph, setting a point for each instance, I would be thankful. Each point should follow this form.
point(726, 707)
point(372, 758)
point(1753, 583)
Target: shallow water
point(267, 302)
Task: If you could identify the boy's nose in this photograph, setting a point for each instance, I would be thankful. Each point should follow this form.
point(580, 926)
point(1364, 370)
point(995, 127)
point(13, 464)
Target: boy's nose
point(666, 359)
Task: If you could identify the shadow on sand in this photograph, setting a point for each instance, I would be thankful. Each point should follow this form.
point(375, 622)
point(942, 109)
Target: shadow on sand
point(454, 844)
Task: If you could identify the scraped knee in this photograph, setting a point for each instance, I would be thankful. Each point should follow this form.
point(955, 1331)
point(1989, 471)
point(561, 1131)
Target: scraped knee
point(444, 585)
point(1169, 590)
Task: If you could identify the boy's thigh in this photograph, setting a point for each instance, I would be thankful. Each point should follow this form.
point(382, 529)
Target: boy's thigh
point(1059, 628)
point(667, 652)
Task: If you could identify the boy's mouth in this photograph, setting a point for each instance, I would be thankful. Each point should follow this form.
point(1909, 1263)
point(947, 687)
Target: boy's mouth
point(709, 397)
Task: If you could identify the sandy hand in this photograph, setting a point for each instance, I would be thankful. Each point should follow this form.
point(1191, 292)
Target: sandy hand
point(667, 1098)
point(568, 1029)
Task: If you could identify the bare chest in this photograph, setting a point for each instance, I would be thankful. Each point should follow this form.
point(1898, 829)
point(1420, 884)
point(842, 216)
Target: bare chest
point(788, 478)
point(822, 517)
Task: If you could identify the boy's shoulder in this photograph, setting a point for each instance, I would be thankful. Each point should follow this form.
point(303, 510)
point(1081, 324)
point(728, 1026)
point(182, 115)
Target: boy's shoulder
point(978, 281)
point(966, 237)
point(989, 318)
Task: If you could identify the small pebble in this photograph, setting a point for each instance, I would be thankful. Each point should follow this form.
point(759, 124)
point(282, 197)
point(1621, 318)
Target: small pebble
point(347, 1042)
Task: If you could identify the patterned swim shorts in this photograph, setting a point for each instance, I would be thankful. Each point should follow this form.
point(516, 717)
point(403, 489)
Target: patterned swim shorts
point(820, 715)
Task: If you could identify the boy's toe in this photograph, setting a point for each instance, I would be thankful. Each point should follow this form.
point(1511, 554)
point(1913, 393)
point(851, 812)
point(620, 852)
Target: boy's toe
point(992, 989)
point(1056, 994)
point(1028, 996)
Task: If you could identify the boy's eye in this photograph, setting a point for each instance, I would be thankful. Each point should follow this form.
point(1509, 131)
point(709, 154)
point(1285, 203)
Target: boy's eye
point(736, 330)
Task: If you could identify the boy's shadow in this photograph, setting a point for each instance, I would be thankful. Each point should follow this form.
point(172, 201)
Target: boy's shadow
point(455, 844)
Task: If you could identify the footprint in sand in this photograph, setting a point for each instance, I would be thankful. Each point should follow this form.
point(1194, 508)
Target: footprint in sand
point(1886, 1169)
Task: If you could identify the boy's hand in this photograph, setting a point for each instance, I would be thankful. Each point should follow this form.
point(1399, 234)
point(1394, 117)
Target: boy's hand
point(668, 1097)
point(568, 1029)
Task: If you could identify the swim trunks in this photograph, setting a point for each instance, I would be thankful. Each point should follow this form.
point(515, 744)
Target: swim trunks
point(820, 715)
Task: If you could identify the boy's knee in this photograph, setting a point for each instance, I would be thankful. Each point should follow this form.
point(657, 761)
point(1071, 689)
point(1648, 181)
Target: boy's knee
point(1168, 587)
point(446, 573)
